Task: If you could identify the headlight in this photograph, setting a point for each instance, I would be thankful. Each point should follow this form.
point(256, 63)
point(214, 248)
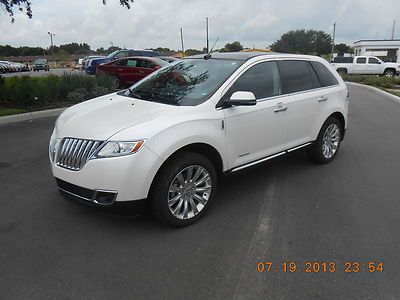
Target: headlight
point(52, 145)
point(117, 148)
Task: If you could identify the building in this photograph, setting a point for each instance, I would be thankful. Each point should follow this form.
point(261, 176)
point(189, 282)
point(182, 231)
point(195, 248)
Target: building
point(386, 50)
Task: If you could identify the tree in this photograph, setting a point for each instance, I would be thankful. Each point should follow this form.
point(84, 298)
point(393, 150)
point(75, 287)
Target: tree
point(342, 48)
point(232, 47)
point(25, 6)
point(304, 42)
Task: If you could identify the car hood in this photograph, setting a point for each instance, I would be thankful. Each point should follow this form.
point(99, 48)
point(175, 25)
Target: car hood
point(102, 117)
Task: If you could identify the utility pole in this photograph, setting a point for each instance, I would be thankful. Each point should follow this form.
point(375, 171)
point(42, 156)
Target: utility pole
point(183, 48)
point(52, 46)
point(208, 42)
point(394, 26)
point(333, 40)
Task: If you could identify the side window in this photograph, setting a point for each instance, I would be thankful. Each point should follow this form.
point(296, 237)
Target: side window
point(373, 60)
point(296, 76)
point(361, 60)
point(325, 76)
point(131, 62)
point(122, 62)
point(122, 54)
point(262, 80)
point(142, 63)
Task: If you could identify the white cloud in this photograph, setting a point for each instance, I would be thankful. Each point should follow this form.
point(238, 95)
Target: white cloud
point(152, 23)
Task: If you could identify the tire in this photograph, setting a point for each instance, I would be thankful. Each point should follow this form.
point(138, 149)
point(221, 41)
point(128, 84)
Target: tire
point(389, 73)
point(327, 144)
point(116, 83)
point(167, 188)
point(342, 71)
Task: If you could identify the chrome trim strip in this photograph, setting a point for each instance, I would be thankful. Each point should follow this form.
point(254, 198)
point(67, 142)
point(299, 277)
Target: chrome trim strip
point(299, 147)
point(75, 195)
point(268, 158)
point(257, 161)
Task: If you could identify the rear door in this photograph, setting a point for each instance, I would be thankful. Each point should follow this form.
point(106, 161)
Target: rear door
point(301, 85)
point(127, 71)
point(360, 66)
point(145, 68)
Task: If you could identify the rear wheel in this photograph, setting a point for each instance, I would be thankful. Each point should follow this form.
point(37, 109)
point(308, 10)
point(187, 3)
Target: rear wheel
point(183, 190)
point(116, 83)
point(326, 146)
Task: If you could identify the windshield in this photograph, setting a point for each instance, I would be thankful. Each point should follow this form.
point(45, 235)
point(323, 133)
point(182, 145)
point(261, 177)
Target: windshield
point(40, 61)
point(111, 56)
point(188, 82)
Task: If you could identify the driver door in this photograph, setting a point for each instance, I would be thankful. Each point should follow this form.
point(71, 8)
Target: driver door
point(255, 132)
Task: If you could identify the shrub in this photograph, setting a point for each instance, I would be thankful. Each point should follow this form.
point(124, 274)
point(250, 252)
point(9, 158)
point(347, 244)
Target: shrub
point(379, 81)
point(51, 91)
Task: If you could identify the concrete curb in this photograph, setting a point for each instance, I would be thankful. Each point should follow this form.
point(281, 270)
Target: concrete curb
point(376, 90)
point(31, 115)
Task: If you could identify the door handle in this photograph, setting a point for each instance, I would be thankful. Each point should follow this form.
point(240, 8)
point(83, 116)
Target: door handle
point(322, 99)
point(280, 107)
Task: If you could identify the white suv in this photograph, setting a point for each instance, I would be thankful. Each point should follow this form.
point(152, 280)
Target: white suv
point(169, 137)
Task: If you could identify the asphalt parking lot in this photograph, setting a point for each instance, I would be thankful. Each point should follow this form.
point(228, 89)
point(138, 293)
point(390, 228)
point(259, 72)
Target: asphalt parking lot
point(286, 210)
point(43, 73)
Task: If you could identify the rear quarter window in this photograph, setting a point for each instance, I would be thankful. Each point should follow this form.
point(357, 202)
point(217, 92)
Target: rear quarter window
point(325, 76)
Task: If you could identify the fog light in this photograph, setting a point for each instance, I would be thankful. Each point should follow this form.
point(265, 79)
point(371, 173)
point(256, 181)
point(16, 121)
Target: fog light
point(104, 197)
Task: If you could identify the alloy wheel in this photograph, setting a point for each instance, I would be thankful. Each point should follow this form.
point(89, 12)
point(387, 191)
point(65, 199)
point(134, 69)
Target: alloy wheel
point(189, 192)
point(330, 141)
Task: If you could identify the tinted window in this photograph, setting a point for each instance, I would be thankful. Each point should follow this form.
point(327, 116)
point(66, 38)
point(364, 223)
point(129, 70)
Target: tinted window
point(361, 60)
point(296, 76)
point(122, 54)
point(326, 78)
point(144, 64)
point(262, 80)
point(373, 60)
point(188, 82)
point(131, 62)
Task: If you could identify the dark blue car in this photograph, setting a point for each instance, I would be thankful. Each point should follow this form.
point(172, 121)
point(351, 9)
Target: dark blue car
point(92, 64)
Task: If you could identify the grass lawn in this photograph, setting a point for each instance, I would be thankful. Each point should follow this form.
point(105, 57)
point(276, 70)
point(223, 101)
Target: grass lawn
point(11, 111)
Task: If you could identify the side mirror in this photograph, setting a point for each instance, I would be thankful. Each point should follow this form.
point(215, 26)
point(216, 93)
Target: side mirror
point(242, 99)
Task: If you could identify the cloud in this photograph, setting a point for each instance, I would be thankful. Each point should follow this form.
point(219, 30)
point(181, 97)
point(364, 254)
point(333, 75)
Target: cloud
point(153, 23)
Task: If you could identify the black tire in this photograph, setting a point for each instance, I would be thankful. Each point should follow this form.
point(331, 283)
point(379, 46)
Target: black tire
point(389, 73)
point(159, 192)
point(116, 83)
point(316, 151)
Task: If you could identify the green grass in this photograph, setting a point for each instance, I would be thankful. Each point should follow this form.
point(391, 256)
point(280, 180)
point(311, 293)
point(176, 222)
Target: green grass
point(11, 111)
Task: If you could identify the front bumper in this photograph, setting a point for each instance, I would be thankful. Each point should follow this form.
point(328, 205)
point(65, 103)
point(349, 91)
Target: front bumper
point(118, 179)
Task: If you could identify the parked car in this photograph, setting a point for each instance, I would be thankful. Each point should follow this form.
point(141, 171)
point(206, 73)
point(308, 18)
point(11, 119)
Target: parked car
point(127, 71)
point(4, 68)
point(9, 66)
point(91, 68)
point(40, 64)
point(169, 137)
point(366, 65)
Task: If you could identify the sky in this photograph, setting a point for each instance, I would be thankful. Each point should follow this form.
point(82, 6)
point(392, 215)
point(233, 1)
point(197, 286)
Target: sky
point(157, 23)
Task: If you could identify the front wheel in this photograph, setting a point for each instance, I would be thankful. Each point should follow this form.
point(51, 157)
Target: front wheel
point(183, 190)
point(326, 146)
point(389, 73)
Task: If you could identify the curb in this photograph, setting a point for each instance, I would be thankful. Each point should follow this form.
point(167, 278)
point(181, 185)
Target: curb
point(377, 90)
point(31, 115)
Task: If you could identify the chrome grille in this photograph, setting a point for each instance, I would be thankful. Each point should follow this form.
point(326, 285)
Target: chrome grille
point(74, 153)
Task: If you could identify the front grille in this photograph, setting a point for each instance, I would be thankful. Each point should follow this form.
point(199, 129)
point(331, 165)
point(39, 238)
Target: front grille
point(74, 153)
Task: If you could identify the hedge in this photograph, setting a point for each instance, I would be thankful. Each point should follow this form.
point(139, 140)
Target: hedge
point(50, 91)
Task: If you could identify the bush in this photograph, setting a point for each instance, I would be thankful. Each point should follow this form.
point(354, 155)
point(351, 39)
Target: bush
point(379, 81)
point(51, 91)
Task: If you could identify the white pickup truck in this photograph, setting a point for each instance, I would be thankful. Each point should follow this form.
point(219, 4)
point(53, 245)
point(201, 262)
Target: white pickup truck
point(368, 65)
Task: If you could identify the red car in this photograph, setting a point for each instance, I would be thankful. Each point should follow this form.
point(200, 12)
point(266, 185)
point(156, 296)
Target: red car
point(129, 70)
